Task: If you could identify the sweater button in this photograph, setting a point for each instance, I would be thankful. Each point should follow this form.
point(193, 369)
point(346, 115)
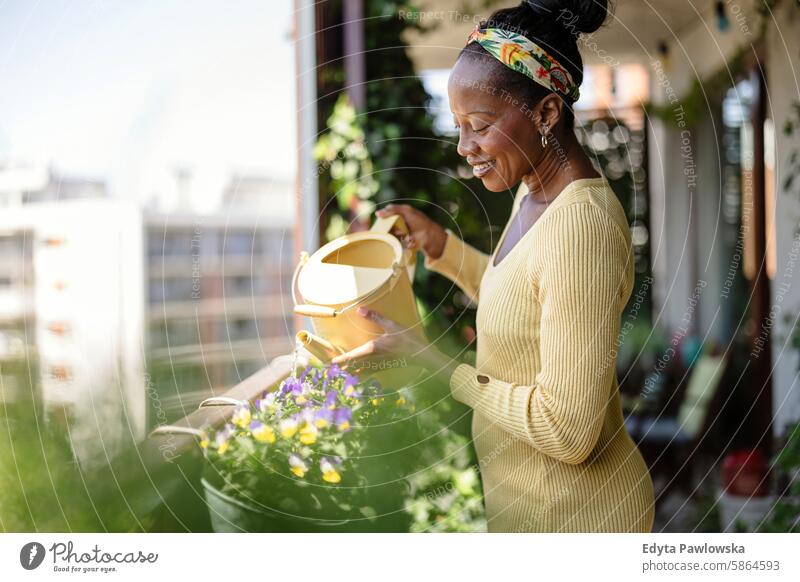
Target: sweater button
point(483, 379)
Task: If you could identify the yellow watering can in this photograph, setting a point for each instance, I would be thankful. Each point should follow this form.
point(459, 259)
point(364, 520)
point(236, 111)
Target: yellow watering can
point(370, 269)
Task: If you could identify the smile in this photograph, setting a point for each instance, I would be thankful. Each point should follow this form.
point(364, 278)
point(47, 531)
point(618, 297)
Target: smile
point(480, 170)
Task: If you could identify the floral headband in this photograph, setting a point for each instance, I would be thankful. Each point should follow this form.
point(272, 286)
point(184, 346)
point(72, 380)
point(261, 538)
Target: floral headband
point(526, 57)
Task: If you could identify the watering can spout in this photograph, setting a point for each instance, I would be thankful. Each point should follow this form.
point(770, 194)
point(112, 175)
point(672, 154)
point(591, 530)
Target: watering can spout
point(321, 348)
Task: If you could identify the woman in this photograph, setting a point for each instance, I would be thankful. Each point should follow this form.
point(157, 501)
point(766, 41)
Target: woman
point(547, 423)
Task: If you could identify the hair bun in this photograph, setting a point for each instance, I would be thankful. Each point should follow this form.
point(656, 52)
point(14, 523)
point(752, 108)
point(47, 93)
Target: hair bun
point(581, 15)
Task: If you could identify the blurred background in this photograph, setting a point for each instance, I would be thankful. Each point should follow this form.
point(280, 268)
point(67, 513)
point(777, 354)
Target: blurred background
point(162, 165)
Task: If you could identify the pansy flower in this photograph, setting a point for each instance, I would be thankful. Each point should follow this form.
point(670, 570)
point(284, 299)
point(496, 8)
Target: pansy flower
point(288, 426)
point(329, 470)
point(241, 416)
point(330, 399)
point(323, 417)
point(268, 404)
point(334, 372)
point(341, 418)
point(263, 433)
point(291, 386)
point(222, 442)
point(297, 465)
point(308, 433)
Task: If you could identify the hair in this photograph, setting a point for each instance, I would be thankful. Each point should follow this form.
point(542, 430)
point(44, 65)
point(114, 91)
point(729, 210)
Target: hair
point(552, 24)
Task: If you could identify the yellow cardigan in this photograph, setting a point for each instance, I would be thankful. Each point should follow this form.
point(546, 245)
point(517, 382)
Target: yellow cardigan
point(547, 423)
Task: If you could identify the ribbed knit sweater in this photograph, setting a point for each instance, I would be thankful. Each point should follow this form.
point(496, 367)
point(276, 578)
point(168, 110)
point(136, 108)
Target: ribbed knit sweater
point(547, 422)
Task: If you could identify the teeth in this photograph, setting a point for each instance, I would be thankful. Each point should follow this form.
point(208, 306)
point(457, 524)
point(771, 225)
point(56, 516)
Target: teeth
point(482, 167)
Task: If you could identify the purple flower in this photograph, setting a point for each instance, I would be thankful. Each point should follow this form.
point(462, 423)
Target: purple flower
point(292, 385)
point(341, 417)
point(334, 371)
point(350, 380)
point(323, 417)
point(330, 399)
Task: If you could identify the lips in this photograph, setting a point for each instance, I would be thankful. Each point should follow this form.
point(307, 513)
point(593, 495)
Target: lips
point(483, 168)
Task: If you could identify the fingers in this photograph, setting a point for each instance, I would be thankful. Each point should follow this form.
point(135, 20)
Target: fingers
point(361, 351)
point(389, 210)
point(386, 323)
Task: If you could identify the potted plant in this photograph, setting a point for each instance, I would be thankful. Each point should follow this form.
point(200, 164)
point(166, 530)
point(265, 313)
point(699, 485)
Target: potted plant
point(308, 456)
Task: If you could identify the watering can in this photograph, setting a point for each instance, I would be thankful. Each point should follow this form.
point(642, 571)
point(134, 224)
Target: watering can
point(371, 269)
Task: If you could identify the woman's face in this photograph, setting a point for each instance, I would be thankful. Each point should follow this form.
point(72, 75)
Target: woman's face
point(497, 134)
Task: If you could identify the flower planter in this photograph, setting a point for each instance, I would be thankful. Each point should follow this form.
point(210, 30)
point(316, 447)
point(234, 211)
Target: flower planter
point(322, 452)
point(230, 515)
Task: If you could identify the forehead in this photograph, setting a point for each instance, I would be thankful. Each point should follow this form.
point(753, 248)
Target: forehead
point(471, 86)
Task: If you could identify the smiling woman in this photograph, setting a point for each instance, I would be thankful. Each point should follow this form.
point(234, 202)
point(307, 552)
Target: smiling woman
point(547, 423)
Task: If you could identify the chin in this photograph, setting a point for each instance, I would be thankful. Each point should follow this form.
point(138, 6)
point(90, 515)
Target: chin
point(495, 183)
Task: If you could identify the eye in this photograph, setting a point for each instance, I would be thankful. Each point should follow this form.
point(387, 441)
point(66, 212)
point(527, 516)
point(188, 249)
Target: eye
point(481, 130)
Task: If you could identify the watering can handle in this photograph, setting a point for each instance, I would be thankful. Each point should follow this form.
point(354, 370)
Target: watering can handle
point(303, 260)
point(385, 224)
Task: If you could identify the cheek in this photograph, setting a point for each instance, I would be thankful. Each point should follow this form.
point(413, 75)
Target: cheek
point(511, 150)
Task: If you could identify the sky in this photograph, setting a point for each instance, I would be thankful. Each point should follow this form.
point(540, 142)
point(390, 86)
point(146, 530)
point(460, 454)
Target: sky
point(129, 91)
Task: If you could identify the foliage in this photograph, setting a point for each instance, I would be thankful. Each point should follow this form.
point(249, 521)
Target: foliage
point(447, 495)
point(701, 91)
point(785, 514)
point(342, 150)
point(44, 488)
point(790, 129)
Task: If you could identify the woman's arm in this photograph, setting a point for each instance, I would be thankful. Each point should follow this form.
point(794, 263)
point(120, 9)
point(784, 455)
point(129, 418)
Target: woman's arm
point(582, 280)
point(461, 263)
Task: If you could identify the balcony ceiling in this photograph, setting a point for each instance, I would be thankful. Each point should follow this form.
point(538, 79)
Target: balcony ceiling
point(630, 35)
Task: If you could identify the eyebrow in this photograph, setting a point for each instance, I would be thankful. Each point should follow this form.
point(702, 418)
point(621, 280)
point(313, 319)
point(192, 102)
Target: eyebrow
point(481, 111)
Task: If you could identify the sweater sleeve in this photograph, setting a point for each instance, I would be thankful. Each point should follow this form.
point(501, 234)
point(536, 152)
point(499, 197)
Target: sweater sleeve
point(581, 280)
point(461, 263)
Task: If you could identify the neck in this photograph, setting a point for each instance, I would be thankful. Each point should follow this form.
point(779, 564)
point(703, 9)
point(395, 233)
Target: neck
point(563, 161)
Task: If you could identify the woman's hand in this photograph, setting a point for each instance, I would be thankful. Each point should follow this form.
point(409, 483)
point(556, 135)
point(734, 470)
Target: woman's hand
point(424, 234)
point(396, 343)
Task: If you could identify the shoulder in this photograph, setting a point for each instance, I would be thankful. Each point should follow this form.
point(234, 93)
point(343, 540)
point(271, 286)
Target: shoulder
point(589, 207)
point(588, 225)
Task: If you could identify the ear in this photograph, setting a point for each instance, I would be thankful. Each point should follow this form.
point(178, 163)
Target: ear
point(550, 109)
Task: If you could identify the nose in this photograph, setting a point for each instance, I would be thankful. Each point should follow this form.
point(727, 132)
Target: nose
point(466, 146)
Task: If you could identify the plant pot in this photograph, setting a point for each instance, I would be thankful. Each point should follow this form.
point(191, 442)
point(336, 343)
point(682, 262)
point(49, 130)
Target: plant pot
point(231, 515)
point(228, 514)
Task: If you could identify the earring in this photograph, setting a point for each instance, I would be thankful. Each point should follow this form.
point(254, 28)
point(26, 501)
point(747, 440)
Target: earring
point(544, 137)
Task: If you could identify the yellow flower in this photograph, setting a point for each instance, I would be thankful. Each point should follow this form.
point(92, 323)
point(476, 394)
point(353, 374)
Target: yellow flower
point(331, 476)
point(264, 434)
point(376, 401)
point(288, 427)
point(297, 465)
point(223, 447)
point(400, 401)
point(329, 472)
point(308, 434)
point(241, 417)
point(204, 444)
